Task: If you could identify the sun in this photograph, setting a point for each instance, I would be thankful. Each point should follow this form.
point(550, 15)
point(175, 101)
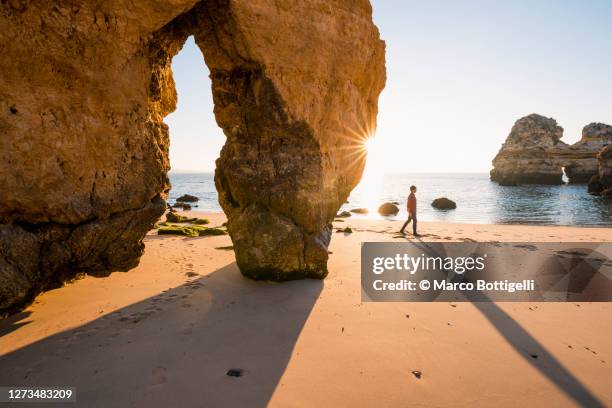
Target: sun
point(370, 144)
point(375, 156)
point(370, 186)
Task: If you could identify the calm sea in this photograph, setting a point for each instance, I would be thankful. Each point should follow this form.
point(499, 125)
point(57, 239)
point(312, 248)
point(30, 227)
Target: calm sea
point(479, 201)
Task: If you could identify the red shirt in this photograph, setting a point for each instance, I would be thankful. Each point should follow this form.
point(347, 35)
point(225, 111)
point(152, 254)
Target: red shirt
point(412, 203)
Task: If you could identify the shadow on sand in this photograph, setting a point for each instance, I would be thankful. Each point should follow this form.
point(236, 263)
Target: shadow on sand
point(527, 346)
point(13, 322)
point(175, 349)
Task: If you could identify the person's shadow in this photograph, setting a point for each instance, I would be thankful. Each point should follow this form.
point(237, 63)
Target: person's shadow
point(527, 346)
point(219, 340)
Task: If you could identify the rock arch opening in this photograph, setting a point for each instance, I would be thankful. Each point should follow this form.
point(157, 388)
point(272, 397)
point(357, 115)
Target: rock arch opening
point(195, 138)
point(85, 153)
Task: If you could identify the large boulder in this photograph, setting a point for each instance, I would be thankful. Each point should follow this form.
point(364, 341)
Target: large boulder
point(388, 209)
point(443, 203)
point(84, 150)
point(525, 156)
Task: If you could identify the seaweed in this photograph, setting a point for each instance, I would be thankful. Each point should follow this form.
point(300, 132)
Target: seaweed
point(190, 230)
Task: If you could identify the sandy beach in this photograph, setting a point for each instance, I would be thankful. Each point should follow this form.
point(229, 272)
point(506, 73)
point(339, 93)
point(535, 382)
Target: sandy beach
point(167, 332)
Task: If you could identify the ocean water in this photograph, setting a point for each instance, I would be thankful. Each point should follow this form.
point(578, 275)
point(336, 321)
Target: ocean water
point(479, 201)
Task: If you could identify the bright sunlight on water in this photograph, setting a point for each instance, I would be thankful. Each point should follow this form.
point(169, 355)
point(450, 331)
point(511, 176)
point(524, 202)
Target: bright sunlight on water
point(478, 199)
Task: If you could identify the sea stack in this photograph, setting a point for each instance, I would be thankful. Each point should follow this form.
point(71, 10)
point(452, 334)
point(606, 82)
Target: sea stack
point(84, 149)
point(525, 157)
point(534, 153)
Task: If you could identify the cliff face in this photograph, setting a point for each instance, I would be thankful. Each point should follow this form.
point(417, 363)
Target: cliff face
point(534, 154)
point(84, 89)
point(601, 183)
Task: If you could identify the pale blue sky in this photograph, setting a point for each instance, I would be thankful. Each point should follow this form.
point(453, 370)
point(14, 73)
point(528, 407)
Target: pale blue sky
point(459, 75)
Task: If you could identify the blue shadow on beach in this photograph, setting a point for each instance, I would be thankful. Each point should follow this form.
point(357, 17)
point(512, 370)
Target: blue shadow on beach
point(175, 349)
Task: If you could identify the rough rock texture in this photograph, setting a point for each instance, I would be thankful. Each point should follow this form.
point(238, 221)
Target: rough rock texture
point(85, 86)
point(580, 159)
point(525, 157)
point(534, 153)
point(601, 183)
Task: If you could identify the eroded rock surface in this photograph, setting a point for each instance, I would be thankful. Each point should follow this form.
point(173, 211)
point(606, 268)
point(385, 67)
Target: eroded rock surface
point(534, 153)
point(601, 183)
point(84, 89)
point(526, 156)
point(580, 159)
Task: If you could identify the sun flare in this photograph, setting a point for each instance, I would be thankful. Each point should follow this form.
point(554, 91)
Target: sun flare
point(372, 179)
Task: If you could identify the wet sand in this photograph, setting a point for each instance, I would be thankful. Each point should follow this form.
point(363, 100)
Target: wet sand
point(167, 332)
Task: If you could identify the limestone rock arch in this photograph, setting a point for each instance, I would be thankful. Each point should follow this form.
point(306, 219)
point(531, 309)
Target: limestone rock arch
point(85, 86)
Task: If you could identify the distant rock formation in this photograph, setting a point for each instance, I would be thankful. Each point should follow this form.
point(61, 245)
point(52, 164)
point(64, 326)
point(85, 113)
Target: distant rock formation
point(580, 159)
point(534, 153)
point(84, 90)
point(601, 183)
point(525, 156)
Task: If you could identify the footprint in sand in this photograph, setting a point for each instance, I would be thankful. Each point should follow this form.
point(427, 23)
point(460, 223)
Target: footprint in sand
point(159, 376)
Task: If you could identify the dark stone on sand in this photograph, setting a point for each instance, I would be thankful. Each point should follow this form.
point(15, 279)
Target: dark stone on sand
point(346, 230)
point(388, 209)
point(235, 372)
point(360, 210)
point(443, 203)
point(417, 374)
point(343, 214)
point(187, 198)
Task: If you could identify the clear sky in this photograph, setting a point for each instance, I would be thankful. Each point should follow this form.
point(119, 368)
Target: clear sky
point(459, 75)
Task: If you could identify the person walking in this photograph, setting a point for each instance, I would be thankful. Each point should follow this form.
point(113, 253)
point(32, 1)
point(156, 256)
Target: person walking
point(412, 206)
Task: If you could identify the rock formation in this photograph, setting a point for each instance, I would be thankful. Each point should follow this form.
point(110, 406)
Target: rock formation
point(601, 183)
point(534, 153)
point(525, 157)
point(580, 159)
point(85, 86)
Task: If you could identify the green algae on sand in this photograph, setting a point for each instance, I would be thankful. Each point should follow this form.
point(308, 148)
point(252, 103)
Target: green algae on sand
point(190, 230)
